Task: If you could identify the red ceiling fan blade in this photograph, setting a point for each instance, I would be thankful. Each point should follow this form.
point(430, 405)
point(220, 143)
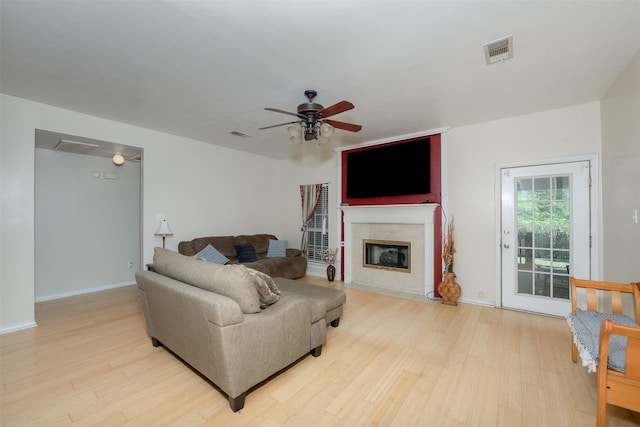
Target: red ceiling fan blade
point(344, 126)
point(275, 126)
point(285, 112)
point(336, 109)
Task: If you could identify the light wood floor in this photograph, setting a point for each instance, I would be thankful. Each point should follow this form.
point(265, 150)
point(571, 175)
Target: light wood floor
point(392, 361)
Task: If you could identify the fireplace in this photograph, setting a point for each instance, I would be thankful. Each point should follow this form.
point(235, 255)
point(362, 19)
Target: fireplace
point(387, 255)
point(412, 224)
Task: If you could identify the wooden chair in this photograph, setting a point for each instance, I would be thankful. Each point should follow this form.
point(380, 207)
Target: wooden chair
point(616, 388)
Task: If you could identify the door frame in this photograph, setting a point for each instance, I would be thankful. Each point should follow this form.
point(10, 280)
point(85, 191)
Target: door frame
point(594, 214)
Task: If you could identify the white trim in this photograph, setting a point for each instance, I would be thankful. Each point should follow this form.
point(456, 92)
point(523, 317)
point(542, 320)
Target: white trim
point(17, 327)
point(594, 214)
point(392, 214)
point(84, 291)
point(393, 139)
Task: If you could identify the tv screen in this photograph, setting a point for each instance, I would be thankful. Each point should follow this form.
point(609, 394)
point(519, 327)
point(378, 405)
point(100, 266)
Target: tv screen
point(390, 170)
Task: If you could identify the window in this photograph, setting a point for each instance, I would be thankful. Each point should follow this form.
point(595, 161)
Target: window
point(318, 228)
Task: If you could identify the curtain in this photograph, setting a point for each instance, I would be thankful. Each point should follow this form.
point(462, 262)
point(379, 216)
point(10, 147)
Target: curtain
point(310, 196)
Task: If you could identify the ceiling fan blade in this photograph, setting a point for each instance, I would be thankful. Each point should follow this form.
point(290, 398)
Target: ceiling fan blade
point(275, 110)
point(336, 108)
point(275, 126)
point(344, 126)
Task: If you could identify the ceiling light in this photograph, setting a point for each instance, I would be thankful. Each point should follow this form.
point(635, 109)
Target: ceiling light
point(118, 160)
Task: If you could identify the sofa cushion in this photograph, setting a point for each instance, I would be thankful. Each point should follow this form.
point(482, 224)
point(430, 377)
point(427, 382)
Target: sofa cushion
point(246, 252)
point(260, 242)
point(233, 281)
point(277, 248)
point(268, 294)
point(211, 254)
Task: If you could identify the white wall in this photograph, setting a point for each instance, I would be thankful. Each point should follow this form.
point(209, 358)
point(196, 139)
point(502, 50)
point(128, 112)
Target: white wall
point(473, 153)
point(201, 188)
point(87, 229)
point(621, 175)
point(318, 165)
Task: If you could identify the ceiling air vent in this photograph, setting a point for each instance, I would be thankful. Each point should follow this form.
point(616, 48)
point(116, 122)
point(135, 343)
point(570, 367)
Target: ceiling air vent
point(240, 134)
point(498, 50)
point(77, 147)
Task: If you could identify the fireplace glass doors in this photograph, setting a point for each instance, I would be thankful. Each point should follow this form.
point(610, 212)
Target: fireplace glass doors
point(387, 255)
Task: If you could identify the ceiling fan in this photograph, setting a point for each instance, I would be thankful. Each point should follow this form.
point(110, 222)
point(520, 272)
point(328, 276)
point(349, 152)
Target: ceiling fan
point(313, 120)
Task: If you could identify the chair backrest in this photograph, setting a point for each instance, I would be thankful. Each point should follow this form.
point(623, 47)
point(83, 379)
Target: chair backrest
point(615, 290)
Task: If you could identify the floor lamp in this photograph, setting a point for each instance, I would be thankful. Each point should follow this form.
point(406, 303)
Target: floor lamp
point(164, 231)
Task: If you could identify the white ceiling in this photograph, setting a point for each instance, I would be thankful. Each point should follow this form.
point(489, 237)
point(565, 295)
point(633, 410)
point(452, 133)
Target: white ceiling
point(203, 69)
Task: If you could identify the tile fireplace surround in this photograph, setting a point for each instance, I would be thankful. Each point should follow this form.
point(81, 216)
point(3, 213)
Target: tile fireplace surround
point(411, 223)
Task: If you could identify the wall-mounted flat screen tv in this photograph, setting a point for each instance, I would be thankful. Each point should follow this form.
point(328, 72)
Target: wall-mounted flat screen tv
point(396, 169)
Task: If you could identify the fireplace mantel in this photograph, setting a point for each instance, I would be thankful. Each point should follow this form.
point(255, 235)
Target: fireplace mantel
point(419, 214)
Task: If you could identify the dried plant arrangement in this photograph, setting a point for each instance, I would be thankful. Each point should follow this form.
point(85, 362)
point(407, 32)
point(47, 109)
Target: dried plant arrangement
point(449, 248)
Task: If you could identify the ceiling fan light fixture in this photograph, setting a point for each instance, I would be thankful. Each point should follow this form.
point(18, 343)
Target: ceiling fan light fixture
point(295, 131)
point(311, 122)
point(326, 130)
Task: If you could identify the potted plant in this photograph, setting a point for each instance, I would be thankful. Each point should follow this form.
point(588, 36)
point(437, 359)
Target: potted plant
point(329, 256)
point(448, 289)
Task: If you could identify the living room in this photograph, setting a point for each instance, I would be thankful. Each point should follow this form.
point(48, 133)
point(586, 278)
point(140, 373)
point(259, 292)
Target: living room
point(203, 188)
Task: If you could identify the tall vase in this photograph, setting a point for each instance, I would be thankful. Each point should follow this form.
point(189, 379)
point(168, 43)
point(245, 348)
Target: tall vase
point(449, 290)
point(331, 272)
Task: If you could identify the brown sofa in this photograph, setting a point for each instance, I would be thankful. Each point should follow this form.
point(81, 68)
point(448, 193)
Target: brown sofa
point(210, 316)
point(293, 266)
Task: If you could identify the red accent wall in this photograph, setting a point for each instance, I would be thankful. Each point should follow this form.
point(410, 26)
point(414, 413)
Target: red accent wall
point(434, 196)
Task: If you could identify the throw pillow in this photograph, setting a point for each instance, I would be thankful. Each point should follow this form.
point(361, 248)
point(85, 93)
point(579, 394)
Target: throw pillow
point(246, 252)
point(211, 254)
point(265, 293)
point(277, 248)
point(264, 276)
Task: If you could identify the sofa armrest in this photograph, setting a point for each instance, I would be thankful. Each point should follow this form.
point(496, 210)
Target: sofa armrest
point(265, 343)
point(293, 252)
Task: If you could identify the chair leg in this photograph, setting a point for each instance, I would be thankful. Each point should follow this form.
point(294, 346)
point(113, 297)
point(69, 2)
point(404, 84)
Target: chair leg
point(237, 403)
point(601, 408)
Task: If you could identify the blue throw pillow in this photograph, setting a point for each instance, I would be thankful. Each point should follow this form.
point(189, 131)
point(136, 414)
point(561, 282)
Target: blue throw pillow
point(211, 254)
point(246, 252)
point(277, 248)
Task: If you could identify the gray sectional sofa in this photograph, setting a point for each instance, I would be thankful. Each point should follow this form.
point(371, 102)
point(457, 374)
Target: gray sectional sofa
point(214, 318)
point(292, 265)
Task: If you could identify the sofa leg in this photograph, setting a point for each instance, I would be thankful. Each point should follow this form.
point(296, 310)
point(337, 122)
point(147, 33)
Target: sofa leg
point(155, 342)
point(335, 322)
point(316, 351)
point(237, 403)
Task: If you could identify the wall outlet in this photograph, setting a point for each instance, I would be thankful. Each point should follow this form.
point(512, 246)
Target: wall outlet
point(130, 265)
point(481, 295)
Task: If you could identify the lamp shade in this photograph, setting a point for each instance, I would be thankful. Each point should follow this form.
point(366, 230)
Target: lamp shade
point(164, 229)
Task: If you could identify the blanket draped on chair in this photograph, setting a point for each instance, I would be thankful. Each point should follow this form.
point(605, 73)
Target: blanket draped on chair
point(585, 326)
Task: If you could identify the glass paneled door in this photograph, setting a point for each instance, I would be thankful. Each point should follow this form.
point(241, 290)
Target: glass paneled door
point(545, 235)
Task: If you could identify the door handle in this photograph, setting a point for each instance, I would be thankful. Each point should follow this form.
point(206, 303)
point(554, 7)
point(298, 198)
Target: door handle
point(506, 246)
